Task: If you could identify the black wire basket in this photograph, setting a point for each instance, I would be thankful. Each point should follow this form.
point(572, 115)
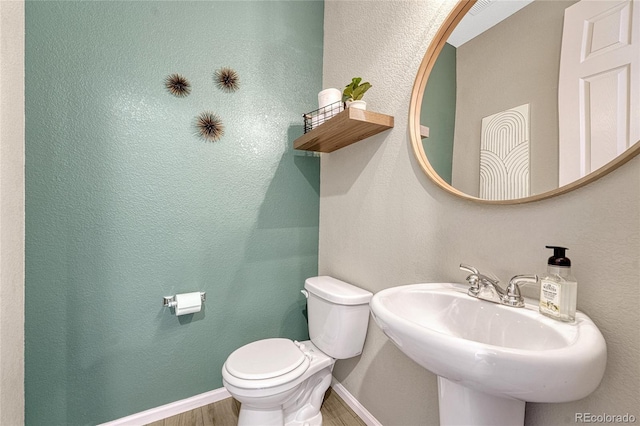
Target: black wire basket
point(315, 118)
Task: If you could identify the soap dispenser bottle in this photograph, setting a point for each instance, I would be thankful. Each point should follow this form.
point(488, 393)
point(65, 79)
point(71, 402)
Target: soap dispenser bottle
point(558, 288)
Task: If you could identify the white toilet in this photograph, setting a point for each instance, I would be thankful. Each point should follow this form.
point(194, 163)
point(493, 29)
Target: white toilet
point(282, 382)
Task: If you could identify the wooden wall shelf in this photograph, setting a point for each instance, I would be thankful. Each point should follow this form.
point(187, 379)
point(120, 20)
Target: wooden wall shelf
point(349, 126)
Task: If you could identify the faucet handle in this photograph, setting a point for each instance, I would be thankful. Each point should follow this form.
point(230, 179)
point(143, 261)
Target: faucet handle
point(513, 296)
point(479, 276)
point(469, 269)
point(473, 279)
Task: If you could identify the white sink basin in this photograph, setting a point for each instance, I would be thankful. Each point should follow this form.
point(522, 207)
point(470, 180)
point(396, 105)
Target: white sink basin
point(507, 352)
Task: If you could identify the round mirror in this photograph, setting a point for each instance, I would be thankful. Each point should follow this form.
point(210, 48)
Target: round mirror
point(517, 101)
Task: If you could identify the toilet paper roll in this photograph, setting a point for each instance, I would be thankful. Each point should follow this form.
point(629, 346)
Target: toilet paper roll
point(188, 303)
point(328, 96)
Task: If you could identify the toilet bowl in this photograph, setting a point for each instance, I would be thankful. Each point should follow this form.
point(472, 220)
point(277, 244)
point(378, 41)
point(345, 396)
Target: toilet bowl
point(282, 382)
point(274, 381)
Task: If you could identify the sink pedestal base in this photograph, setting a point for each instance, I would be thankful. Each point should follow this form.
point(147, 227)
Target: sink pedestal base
point(460, 406)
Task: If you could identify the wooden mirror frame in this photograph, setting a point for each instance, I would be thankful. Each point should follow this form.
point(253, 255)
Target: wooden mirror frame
point(456, 15)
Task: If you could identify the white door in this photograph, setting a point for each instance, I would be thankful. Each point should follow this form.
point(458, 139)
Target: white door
point(599, 85)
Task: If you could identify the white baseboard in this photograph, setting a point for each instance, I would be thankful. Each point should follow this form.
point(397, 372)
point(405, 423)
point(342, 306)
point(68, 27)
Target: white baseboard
point(354, 404)
point(171, 409)
point(177, 407)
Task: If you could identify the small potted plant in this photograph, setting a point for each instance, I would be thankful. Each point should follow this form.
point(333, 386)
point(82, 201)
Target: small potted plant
point(353, 93)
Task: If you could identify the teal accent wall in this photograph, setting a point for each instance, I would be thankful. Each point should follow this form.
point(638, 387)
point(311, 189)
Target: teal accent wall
point(438, 112)
point(125, 205)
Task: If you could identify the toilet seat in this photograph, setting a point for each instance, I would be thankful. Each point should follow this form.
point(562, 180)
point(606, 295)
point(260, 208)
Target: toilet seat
point(265, 363)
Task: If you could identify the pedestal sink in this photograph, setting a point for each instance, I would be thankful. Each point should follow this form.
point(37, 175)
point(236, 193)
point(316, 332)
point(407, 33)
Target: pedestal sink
point(489, 358)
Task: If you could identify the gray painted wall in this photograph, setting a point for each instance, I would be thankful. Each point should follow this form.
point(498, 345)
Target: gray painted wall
point(11, 212)
point(383, 223)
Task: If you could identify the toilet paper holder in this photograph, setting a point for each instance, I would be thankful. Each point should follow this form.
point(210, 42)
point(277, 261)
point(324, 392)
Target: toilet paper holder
point(170, 301)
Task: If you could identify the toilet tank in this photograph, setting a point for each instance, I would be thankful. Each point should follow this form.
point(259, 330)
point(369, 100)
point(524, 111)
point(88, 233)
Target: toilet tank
point(338, 315)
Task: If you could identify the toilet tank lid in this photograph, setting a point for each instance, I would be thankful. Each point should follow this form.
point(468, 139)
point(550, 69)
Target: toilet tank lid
point(336, 291)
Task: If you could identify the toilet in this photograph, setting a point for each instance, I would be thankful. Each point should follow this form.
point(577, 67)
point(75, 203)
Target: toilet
point(283, 382)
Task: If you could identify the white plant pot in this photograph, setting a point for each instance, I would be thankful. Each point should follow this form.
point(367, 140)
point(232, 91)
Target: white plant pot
point(357, 104)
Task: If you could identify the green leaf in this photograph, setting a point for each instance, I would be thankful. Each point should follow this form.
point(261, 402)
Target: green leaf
point(355, 90)
point(346, 94)
point(359, 92)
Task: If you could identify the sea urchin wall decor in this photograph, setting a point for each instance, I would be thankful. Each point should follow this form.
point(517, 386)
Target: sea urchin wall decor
point(227, 79)
point(209, 126)
point(177, 85)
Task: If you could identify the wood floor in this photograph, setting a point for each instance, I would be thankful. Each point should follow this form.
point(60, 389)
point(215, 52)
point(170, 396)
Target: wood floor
point(335, 412)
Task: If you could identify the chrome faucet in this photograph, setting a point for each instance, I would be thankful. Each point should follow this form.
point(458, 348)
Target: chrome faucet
point(486, 287)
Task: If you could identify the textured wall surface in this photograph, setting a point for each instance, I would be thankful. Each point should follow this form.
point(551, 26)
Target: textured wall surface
point(384, 223)
point(11, 212)
point(126, 205)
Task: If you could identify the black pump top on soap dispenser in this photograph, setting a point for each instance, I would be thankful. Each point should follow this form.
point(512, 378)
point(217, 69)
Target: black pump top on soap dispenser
point(558, 258)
